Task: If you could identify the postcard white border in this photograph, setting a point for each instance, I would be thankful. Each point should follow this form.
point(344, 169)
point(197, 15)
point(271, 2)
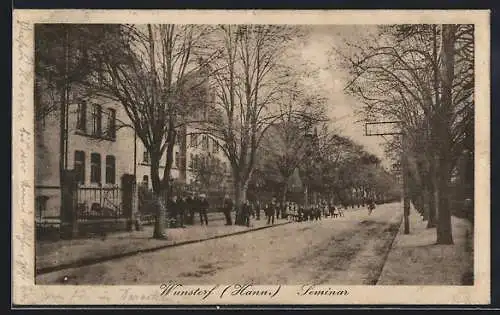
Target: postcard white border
point(25, 292)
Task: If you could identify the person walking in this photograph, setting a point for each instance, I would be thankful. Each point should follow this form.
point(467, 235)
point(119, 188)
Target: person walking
point(181, 211)
point(271, 211)
point(190, 209)
point(257, 209)
point(332, 209)
point(172, 211)
point(246, 210)
point(203, 208)
point(371, 206)
point(252, 209)
point(267, 213)
point(311, 212)
point(340, 211)
point(144, 195)
point(196, 205)
point(227, 208)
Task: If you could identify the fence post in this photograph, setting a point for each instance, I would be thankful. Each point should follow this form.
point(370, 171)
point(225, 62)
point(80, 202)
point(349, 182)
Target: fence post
point(69, 206)
point(129, 202)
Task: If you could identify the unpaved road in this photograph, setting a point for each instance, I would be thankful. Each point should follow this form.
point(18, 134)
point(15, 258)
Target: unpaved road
point(348, 250)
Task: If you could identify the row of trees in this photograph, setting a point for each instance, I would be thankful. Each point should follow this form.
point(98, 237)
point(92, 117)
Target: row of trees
point(328, 166)
point(162, 75)
point(422, 76)
point(238, 76)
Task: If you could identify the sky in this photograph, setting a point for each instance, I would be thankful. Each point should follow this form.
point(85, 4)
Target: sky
point(319, 48)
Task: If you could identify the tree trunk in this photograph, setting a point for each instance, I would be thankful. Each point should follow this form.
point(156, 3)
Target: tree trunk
point(425, 203)
point(159, 199)
point(63, 106)
point(283, 200)
point(240, 190)
point(433, 192)
point(431, 223)
point(444, 233)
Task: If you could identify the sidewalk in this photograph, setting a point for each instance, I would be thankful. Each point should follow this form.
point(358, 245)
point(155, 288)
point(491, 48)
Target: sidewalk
point(62, 254)
point(415, 259)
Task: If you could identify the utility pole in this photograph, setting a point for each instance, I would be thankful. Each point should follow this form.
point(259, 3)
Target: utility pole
point(135, 155)
point(404, 169)
point(394, 128)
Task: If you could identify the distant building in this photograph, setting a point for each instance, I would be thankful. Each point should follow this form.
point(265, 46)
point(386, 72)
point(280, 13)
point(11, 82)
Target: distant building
point(190, 143)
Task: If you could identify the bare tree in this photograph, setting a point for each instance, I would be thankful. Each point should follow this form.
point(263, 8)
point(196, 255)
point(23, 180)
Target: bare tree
point(443, 131)
point(284, 147)
point(405, 79)
point(155, 81)
point(208, 172)
point(249, 79)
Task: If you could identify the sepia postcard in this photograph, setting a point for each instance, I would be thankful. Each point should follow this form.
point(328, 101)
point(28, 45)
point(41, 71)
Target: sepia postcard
point(277, 157)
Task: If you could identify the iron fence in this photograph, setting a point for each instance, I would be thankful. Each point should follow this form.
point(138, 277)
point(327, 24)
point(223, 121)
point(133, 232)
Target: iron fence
point(99, 203)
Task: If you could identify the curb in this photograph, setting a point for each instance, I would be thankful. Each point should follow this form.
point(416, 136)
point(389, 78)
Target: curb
point(390, 248)
point(92, 261)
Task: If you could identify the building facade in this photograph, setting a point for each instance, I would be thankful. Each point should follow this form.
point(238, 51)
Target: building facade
point(190, 148)
point(97, 148)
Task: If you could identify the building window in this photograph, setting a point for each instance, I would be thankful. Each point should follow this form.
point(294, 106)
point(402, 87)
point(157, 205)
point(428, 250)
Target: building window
point(145, 157)
point(176, 161)
point(205, 142)
point(224, 167)
point(95, 168)
point(191, 160)
point(96, 120)
point(111, 123)
point(81, 119)
point(215, 146)
point(79, 166)
point(194, 140)
point(110, 169)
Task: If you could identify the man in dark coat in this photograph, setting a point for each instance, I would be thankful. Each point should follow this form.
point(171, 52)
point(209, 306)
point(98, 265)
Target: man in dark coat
point(271, 211)
point(257, 209)
point(172, 211)
point(181, 211)
point(190, 209)
point(203, 208)
point(246, 210)
point(227, 208)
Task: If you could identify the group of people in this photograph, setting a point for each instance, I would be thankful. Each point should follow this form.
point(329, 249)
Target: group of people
point(182, 209)
point(252, 210)
point(275, 210)
point(314, 211)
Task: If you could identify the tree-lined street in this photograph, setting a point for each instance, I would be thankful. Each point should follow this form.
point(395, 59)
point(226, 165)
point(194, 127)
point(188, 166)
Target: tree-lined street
point(250, 92)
